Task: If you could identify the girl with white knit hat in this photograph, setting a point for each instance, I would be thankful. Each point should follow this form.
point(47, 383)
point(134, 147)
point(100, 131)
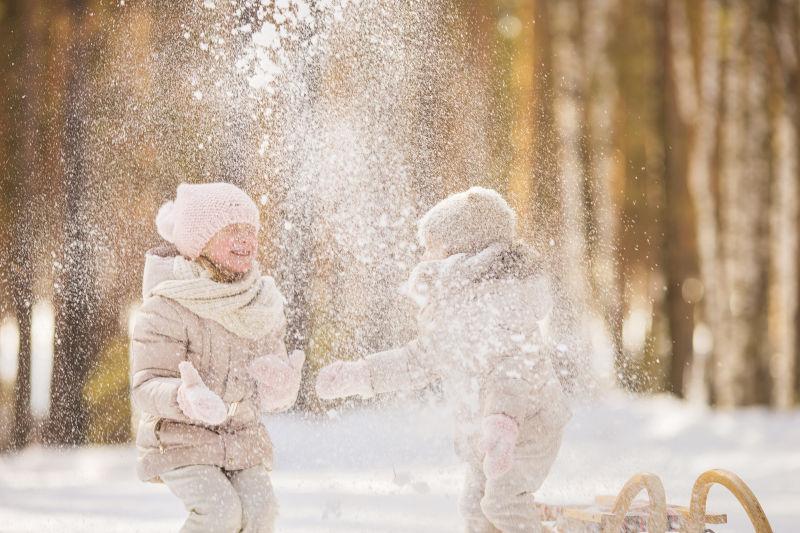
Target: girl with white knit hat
point(208, 358)
point(481, 296)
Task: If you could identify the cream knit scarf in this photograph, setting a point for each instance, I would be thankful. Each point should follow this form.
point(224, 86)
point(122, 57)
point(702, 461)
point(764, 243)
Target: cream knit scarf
point(250, 308)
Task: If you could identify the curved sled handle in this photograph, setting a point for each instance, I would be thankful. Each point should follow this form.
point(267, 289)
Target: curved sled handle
point(737, 487)
point(657, 519)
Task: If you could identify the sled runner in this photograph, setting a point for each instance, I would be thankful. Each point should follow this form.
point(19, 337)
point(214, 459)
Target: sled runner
point(624, 514)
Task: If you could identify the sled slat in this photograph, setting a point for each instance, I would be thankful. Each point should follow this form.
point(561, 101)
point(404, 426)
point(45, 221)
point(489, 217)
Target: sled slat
point(605, 500)
point(584, 515)
point(710, 518)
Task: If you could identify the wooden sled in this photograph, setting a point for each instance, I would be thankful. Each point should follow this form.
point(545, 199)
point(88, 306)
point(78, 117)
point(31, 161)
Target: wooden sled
point(624, 514)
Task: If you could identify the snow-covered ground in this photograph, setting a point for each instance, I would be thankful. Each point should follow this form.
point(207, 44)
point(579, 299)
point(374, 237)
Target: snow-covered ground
point(392, 470)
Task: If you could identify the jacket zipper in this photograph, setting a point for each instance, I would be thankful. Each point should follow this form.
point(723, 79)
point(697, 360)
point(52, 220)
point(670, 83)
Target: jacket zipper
point(157, 430)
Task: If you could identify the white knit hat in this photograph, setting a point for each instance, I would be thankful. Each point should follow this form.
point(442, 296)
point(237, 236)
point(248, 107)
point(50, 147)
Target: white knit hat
point(201, 210)
point(468, 222)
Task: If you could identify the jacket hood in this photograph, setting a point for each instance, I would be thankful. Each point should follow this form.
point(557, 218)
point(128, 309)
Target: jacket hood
point(158, 266)
point(460, 272)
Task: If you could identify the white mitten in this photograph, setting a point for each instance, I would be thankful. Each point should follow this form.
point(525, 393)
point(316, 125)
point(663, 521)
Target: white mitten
point(498, 439)
point(278, 381)
point(196, 400)
point(341, 379)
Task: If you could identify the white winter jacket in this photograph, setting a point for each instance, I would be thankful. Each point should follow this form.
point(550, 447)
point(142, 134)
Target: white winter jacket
point(479, 333)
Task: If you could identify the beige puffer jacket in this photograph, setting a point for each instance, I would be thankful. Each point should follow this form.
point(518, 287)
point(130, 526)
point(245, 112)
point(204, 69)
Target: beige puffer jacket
point(166, 333)
point(479, 333)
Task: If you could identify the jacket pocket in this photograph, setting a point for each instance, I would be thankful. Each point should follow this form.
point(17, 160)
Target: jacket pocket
point(171, 434)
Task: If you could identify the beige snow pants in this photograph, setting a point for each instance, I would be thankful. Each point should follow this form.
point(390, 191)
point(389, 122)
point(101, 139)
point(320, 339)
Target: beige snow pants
point(222, 501)
point(506, 504)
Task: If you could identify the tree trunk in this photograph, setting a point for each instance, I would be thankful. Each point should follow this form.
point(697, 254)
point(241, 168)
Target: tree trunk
point(26, 71)
point(599, 96)
point(571, 286)
point(680, 259)
point(744, 204)
point(81, 319)
point(696, 81)
point(783, 249)
point(783, 22)
point(522, 95)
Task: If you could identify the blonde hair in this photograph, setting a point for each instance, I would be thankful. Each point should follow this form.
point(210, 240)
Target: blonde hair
point(218, 273)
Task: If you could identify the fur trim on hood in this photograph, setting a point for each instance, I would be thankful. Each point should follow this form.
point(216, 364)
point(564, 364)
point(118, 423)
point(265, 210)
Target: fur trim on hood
point(499, 261)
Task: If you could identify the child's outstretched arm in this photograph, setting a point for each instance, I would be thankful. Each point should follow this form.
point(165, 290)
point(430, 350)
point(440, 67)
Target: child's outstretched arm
point(405, 368)
point(158, 346)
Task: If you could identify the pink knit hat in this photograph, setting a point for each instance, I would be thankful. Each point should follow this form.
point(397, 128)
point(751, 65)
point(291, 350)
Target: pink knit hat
point(468, 222)
point(199, 211)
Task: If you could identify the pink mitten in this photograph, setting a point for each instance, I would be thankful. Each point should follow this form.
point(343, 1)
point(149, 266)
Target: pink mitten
point(341, 379)
point(498, 439)
point(278, 381)
point(196, 400)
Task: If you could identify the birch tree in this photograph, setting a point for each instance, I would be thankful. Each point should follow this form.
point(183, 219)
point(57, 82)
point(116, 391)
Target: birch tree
point(784, 52)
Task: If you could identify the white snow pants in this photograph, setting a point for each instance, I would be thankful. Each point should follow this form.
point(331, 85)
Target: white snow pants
point(505, 504)
point(222, 501)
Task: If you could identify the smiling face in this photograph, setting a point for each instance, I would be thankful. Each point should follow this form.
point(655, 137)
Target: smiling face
point(233, 248)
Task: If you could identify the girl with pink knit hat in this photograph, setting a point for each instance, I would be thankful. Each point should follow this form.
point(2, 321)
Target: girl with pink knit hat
point(208, 359)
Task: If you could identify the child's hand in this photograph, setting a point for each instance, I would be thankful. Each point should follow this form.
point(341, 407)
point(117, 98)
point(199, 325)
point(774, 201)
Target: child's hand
point(278, 382)
point(498, 439)
point(341, 379)
point(196, 400)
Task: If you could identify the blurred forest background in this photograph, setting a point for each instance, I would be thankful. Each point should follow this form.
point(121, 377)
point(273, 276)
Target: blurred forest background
point(652, 145)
